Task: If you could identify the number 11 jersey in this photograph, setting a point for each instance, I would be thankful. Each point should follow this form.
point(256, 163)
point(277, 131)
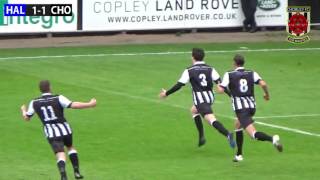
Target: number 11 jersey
point(50, 109)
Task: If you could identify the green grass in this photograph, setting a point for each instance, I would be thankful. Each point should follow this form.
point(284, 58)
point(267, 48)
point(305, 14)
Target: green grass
point(131, 135)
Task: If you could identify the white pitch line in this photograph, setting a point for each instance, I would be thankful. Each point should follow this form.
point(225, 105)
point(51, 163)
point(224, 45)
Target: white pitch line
point(287, 116)
point(288, 129)
point(156, 101)
point(298, 131)
point(154, 53)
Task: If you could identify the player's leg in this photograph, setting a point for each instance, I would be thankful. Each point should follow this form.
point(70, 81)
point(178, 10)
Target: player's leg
point(261, 136)
point(61, 163)
point(246, 121)
point(207, 113)
point(198, 121)
point(205, 110)
point(73, 156)
point(212, 120)
point(245, 118)
point(239, 141)
point(58, 148)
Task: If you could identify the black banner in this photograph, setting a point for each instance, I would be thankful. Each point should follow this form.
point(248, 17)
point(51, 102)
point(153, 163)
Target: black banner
point(49, 10)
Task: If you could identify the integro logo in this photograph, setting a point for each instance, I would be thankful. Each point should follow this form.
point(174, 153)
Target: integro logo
point(2, 18)
point(33, 23)
point(268, 5)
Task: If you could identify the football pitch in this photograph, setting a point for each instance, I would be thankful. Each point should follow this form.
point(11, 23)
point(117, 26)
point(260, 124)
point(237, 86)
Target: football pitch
point(132, 135)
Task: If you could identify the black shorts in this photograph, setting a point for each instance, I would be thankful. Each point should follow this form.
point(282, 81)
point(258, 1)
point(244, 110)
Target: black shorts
point(245, 116)
point(204, 109)
point(58, 143)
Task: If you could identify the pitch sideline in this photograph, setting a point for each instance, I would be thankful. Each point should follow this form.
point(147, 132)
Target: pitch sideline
point(154, 53)
point(287, 116)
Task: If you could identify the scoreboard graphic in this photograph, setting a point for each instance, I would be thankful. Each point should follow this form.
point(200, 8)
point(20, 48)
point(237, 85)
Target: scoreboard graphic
point(37, 9)
point(38, 16)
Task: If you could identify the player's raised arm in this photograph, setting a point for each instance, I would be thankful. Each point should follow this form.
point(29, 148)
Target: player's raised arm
point(84, 105)
point(66, 103)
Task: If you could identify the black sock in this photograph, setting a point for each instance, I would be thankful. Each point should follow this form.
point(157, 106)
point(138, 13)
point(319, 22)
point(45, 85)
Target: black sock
point(262, 136)
point(216, 124)
point(239, 140)
point(62, 168)
point(75, 161)
point(198, 121)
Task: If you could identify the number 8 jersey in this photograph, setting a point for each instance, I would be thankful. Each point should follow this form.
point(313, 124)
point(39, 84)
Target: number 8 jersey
point(50, 109)
point(241, 82)
point(201, 77)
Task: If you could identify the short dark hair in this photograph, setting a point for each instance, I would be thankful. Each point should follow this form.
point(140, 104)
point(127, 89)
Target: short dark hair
point(239, 60)
point(44, 86)
point(198, 54)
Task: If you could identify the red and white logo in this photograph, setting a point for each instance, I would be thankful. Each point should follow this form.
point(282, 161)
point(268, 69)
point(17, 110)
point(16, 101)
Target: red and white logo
point(298, 24)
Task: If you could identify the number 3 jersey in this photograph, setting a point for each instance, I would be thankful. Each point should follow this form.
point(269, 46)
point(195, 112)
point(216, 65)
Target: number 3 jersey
point(50, 109)
point(201, 77)
point(241, 82)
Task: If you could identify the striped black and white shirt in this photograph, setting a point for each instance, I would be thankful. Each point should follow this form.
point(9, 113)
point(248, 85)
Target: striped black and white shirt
point(50, 109)
point(241, 82)
point(201, 77)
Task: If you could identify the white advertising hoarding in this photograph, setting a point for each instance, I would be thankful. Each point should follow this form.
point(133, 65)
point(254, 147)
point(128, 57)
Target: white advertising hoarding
point(25, 24)
point(113, 15)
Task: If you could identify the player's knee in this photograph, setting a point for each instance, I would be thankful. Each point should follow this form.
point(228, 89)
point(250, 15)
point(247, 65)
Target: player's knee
point(211, 121)
point(195, 115)
point(237, 124)
point(72, 151)
point(61, 156)
point(70, 148)
point(251, 133)
point(210, 118)
point(193, 111)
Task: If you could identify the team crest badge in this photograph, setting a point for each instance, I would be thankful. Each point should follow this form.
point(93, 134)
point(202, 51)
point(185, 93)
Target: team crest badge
point(298, 25)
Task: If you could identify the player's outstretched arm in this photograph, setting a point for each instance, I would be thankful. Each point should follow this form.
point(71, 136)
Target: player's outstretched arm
point(24, 113)
point(164, 93)
point(264, 87)
point(84, 105)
